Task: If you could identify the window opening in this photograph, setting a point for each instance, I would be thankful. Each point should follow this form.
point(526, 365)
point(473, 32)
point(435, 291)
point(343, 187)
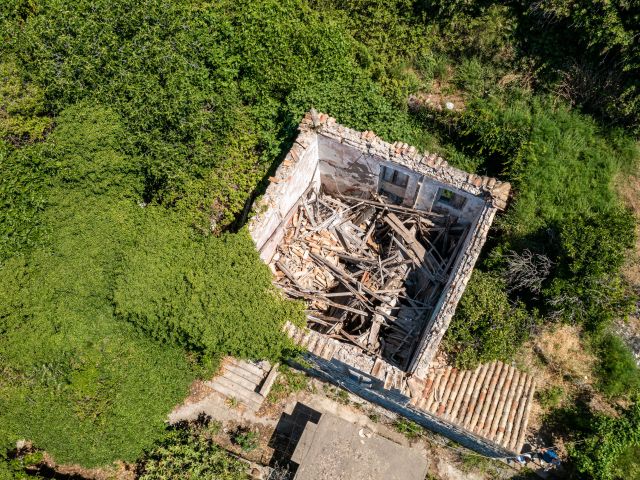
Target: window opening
point(394, 176)
point(451, 199)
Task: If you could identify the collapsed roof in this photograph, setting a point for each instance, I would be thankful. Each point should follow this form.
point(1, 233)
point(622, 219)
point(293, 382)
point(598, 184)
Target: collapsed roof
point(378, 239)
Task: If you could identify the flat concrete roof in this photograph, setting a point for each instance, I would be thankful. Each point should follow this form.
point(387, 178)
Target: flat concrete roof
point(335, 449)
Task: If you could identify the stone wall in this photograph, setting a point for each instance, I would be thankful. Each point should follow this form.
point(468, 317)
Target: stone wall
point(443, 313)
point(430, 165)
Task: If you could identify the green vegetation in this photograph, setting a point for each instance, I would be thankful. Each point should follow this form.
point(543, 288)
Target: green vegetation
point(606, 447)
point(94, 315)
point(409, 429)
point(134, 135)
point(492, 328)
point(289, 381)
point(618, 372)
point(246, 439)
point(188, 452)
point(550, 397)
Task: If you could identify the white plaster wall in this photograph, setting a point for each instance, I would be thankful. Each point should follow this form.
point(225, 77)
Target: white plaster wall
point(281, 198)
point(428, 194)
point(345, 170)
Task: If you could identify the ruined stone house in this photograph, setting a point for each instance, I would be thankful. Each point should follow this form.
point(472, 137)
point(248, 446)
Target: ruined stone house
point(380, 241)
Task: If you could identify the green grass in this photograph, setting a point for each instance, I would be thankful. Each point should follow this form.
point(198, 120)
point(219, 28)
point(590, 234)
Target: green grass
point(550, 397)
point(289, 382)
point(409, 429)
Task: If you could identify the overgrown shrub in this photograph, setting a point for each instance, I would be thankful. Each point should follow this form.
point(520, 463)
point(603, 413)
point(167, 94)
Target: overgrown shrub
point(605, 448)
point(586, 287)
point(486, 326)
point(103, 253)
point(188, 452)
point(77, 378)
point(618, 372)
point(22, 118)
point(550, 397)
point(211, 296)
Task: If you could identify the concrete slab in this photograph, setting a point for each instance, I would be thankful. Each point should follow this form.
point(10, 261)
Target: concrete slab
point(340, 450)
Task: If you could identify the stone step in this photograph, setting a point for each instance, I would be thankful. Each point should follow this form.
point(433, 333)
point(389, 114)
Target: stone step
point(250, 385)
point(242, 371)
point(233, 390)
point(265, 388)
point(231, 393)
point(248, 366)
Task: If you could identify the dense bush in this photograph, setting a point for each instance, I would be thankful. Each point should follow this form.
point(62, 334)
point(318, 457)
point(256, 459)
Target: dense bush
point(585, 51)
point(618, 372)
point(605, 447)
point(598, 67)
point(592, 251)
point(487, 327)
point(188, 452)
point(113, 293)
point(212, 298)
point(77, 378)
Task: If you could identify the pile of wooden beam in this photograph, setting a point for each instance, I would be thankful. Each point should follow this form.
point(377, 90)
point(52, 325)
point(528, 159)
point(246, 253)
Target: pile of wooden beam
point(370, 271)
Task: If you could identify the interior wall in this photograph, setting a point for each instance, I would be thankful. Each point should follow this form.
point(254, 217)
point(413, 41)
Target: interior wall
point(345, 170)
point(292, 182)
point(428, 195)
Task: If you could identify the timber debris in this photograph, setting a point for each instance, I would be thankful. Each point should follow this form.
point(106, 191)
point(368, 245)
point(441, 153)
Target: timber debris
point(371, 272)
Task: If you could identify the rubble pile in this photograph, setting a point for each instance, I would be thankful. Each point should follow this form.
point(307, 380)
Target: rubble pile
point(370, 271)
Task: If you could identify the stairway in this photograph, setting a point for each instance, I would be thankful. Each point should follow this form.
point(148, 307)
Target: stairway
point(246, 382)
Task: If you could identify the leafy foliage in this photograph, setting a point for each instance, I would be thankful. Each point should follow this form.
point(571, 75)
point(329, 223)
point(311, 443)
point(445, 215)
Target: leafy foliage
point(618, 371)
point(486, 326)
point(550, 397)
point(22, 118)
point(603, 452)
point(188, 452)
point(593, 247)
point(74, 366)
point(114, 294)
point(211, 298)
point(246, 439)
